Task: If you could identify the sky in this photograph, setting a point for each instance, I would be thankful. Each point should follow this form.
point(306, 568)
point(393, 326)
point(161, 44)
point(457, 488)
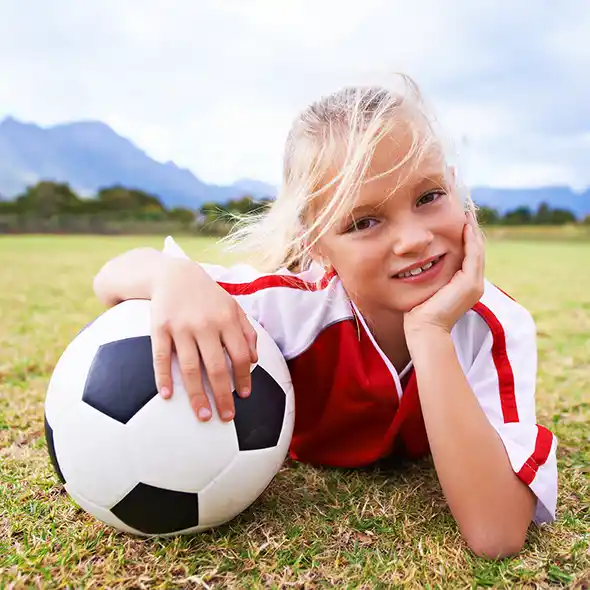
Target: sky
point(214, 85)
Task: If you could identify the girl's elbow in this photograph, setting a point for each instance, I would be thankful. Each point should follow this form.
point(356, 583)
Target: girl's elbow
point(498, 545)
point(99, 288)
point(103, 289)
point(500, 533)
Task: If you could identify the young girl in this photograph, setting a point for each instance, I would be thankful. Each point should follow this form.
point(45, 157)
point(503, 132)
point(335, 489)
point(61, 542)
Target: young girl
point(372, 285)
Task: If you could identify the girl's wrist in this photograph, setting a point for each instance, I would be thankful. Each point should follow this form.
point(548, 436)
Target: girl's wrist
point(166, 269)
point(420, 329)
point(425, 339)
point(170, 270)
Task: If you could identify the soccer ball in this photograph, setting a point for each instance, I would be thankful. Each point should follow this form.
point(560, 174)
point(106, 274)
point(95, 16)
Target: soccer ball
point(146, 465)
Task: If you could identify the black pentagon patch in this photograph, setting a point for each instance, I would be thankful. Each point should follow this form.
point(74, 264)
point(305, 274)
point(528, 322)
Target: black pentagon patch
point(51, 451)
point(156, 511)
point(121, 378)
point(259, 417)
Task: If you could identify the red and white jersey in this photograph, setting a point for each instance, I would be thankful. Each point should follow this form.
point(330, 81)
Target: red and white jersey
point(353, 407)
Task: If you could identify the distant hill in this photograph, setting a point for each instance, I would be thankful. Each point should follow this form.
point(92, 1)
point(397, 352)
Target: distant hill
point(89, 155)
point(558, 197)
point(255, 187)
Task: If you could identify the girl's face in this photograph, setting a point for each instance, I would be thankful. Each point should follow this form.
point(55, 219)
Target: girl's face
point(378, 248)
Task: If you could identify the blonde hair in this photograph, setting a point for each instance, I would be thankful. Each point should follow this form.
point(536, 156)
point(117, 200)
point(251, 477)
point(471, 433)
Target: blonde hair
point(346, 125)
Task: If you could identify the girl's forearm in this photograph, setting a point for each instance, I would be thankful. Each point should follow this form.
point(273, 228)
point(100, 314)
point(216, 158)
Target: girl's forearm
point(128, 276)
point(133, 275)
point(492, 507)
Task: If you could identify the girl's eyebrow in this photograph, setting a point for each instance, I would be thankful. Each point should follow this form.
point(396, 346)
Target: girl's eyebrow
point(366, 208)
point(434, 178)
point(437, 178)
point(420, 182)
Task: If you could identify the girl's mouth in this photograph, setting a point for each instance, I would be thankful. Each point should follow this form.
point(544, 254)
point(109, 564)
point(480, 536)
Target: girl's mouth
point(426, 271)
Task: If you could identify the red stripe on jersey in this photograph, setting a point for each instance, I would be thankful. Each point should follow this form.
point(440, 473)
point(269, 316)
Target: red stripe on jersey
point(269, 281)
point(502, 363)
point(539, 457)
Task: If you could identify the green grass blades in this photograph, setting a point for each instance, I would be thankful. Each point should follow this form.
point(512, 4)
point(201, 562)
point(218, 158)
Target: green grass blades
point(312, 528)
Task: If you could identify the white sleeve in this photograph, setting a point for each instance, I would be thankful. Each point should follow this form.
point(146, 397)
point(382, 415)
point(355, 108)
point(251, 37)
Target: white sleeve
point(215, 271)
point(503, 377)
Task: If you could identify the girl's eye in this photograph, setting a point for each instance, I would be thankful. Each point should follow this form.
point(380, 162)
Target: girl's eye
point(429, 198)
point(361, 224)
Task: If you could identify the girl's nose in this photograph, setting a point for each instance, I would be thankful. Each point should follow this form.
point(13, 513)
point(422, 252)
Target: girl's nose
point(411, 239)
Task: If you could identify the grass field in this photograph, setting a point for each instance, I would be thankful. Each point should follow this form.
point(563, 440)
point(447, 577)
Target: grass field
point(311, 528)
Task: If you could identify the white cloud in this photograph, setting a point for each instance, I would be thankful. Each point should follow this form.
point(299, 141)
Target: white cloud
point(214, 84)
point(531, 160)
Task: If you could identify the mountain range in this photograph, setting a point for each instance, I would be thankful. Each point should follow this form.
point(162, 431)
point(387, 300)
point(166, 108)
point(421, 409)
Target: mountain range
point(89, 155)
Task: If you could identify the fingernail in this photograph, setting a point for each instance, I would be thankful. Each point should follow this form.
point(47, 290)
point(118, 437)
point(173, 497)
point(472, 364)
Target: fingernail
point(204, 413)
point(245, 392)
point(165, 392)
point(227, 415)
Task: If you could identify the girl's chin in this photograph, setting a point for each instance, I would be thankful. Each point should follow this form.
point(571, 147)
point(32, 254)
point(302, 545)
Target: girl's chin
point(410, 300)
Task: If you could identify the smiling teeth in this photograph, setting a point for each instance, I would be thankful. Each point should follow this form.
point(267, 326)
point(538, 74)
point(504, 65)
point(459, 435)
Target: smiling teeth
point(416, 271)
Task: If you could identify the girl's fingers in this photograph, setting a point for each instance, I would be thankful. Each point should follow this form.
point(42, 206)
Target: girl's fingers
point(192, 377)
point(250, 334)
point(218, 373)
point(474, 262)
point(161, 352)
point(240, 354)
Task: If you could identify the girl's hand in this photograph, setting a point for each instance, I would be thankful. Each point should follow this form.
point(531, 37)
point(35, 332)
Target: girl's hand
point(465, 289)
point(198, 319)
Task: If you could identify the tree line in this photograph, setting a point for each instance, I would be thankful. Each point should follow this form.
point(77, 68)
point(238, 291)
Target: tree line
point(56, 206)
point(543, 215)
